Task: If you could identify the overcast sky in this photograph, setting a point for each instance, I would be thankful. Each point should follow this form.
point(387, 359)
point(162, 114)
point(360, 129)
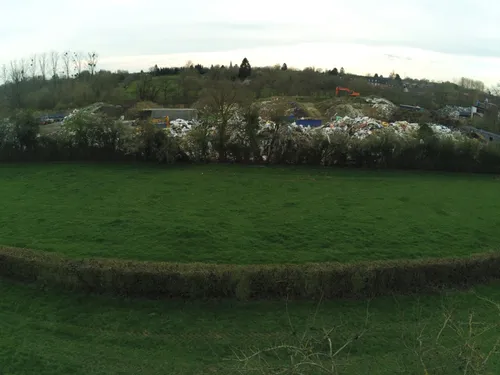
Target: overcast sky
point(439, 39)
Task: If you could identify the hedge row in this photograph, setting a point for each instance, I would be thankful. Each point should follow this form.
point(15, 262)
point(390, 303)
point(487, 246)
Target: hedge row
point(205, 281)
point(91, 137)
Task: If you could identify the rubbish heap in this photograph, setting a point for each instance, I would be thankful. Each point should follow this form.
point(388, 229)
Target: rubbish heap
point(179, 128)
point(357, 127)
point(453, 112)
point(384, 107)
point(114, 111)
point(344, 110)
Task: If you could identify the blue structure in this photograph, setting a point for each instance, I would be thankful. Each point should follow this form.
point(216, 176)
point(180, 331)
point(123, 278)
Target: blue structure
point(313, 123)
point(52, 118)
point(309, 122)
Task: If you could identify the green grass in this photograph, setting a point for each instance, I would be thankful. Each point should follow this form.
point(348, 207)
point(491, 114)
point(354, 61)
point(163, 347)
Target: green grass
point(234, 214)
point(43, 332)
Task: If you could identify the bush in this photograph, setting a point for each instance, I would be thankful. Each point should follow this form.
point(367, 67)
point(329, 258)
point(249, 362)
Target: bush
point(149, 143)
point(86, 129)
point(204, 281)
point(90, 136)
point(26, 129)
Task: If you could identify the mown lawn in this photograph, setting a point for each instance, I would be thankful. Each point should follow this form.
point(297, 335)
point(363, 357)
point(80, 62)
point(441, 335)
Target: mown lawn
point(49, 333)
point(235, 214)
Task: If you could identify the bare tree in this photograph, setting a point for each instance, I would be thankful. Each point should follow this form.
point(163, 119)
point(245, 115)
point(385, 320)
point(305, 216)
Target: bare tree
point(16, 77)
point(54, 63)
point(92, 62)
point(78, 62)
point(471, 84)
point(42, 65)
point(66, 58)
point(219, 103)
point(5, 77)
point(23, 68)
point(495, 90)
point(32, 66)
point(15, 73)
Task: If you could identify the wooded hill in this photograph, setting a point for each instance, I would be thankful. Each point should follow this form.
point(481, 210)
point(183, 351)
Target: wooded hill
point(59, 82)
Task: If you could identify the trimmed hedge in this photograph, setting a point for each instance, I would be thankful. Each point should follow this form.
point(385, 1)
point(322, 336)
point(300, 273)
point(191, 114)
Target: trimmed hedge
point(93, 137)
point(207, 281)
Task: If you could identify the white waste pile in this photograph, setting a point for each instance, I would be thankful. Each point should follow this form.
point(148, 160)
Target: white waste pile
point(383, 106)
point(356, 127)
point(361, 127)
point(179, 128)
point(344, 110)
point(453, 112)
point(95, 109)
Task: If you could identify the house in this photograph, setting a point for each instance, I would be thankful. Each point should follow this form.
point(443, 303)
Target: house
point(379, 81)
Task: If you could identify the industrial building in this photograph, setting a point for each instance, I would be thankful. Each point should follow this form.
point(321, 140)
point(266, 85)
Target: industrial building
point(188, 114)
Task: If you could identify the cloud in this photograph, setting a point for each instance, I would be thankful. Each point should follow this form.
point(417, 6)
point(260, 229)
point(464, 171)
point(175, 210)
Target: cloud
point(118, 28)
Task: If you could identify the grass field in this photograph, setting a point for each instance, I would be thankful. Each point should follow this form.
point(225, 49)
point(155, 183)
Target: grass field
point(45, 333)
point(234, 214)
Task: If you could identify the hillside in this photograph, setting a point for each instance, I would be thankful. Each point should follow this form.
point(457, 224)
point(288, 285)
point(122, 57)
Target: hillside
point(308, 92)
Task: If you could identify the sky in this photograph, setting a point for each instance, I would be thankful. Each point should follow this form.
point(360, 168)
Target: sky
point(438, 40)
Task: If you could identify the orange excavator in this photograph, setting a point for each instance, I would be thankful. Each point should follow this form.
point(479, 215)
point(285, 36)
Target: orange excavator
point(344, 91)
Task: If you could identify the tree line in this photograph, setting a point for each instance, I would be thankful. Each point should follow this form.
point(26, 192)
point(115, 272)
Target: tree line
point(59, 81)
point(51, 65)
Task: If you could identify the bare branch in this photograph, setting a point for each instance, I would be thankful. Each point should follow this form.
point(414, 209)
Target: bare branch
point(5, 77)
point(78, 62)
point(42, 64)
point(33, 66)
point(66, 58)
point(54, 61)
point(92, 62)
point(16, 74)
point(23, 67)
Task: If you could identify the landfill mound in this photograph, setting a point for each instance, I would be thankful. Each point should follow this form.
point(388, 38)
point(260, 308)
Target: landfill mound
point(361, 127)
point(110, 110)
point(344, 110)
point(277, 105)
point(358, 127)
point(453, 112)
point(379, 108)
point(383, 107)
point(356, 117)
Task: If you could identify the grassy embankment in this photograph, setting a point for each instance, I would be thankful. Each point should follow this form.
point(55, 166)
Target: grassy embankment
point(246, 215)
point(48, 333)
point(243, 215)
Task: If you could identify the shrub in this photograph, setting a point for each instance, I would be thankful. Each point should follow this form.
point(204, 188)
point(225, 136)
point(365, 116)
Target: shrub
point(86, 129)
point(8, 136)
point(202, 281)
point(149, 143)
point(26, 129)
point(197, 143)
point(90, 136)
point(336, 152)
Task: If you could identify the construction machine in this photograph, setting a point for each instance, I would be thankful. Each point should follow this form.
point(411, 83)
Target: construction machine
point(344, 91)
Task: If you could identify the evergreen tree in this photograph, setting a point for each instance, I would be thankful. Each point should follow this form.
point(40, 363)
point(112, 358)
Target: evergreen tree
point(245, 70)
